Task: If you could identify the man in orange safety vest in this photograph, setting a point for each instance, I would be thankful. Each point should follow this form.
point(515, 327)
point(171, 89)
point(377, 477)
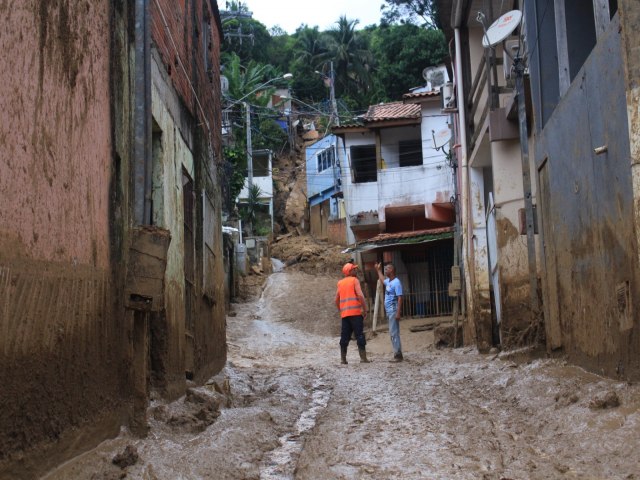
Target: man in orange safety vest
point(353, 309)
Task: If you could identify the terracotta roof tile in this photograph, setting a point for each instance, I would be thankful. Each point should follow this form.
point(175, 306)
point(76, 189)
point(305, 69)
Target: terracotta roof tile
point(392, 111)
point(410, 96)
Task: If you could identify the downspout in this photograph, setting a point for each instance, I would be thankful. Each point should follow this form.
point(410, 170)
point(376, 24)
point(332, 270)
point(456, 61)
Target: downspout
point(142, 115)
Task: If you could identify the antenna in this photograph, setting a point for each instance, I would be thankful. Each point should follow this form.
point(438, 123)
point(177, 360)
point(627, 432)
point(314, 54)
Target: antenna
point(501, 28)
point(441, 137)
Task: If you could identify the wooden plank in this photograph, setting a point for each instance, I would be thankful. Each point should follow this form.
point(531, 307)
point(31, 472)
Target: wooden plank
point(377, 309)
point(562, 47)
point(602, 16)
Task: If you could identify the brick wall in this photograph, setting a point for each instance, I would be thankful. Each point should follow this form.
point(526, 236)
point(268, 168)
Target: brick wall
point(182, 31)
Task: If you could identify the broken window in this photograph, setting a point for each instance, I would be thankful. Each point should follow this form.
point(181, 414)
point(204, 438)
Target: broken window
point(410, 153)
point(261, 165)
point(363, 163)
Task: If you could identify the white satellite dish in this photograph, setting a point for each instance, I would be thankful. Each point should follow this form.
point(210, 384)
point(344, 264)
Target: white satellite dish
point(501, 28)
point(441, 137)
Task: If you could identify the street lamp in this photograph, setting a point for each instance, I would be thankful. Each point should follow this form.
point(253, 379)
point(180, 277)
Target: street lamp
point(247, 109)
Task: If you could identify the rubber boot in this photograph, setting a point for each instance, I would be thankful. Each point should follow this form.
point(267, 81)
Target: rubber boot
point(363, 355)
point(343, 355)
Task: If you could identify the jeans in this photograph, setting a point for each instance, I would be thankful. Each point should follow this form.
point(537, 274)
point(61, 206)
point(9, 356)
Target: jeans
point(394, 331)
point(351, 324)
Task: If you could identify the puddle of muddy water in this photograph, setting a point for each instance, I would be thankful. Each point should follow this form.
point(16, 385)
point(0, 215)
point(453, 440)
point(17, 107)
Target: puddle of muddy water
point(280, 463)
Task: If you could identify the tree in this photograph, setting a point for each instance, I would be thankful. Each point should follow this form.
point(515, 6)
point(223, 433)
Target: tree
point(420, 12)
point(244, 36)
point(402, 52)
point(308, 54)
point(352, 59)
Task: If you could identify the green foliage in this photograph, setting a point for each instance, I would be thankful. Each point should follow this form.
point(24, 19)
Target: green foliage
point(418, 12)
point(236, 159)
point(403, 51)
point(249, 39)
point(377, 63)
point(352, 59)
point(270, 135)
point(255, 214)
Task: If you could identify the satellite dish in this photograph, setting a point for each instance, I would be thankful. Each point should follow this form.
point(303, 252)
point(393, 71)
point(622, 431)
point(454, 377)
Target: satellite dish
point(501, 28)
point(441, 137)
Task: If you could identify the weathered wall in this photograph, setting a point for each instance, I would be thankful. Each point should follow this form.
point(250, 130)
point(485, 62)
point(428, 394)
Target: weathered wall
point(513, 265)
point(186, 108)
point(337, 231)
point(318, 218)
point(171, 156)
point(586, 203)
point(63, 338)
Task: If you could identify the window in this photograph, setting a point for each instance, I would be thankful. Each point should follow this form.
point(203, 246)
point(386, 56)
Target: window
point(363, 163)
point(410, 153)
point(326, 159)
point(261, 164)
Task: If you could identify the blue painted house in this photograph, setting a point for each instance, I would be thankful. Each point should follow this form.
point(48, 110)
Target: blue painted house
point(324, 191)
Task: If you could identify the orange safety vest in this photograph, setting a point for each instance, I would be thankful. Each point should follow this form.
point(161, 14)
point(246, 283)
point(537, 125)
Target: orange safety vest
point(349, 302)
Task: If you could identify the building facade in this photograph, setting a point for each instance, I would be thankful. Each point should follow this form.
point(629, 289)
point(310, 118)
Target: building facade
point(101, 129)
point(324, 191)
point(576, 165)
point(398, 190)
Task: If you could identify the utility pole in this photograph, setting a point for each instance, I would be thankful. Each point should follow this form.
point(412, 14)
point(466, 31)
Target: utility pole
point(332, 93)
point(247, 109)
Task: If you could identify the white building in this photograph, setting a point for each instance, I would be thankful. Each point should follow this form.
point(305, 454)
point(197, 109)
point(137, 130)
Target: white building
point(399, 195)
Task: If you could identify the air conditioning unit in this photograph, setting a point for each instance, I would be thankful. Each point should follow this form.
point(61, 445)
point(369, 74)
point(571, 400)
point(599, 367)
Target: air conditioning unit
point(512, 47)
point(447, 97)
point(436, 77)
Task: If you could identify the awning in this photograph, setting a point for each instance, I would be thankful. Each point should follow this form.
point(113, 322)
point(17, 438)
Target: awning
point(387, 240)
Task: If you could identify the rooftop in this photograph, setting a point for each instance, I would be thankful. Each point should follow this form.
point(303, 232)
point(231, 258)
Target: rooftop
point(392, 111)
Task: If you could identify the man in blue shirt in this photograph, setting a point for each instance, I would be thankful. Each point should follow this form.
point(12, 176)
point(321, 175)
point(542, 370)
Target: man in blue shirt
point(392, 305)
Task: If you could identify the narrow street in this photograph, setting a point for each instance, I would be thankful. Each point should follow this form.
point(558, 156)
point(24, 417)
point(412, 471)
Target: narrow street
point(285, 408)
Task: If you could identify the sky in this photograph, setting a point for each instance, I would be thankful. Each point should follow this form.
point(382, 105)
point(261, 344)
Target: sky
point(290, 14)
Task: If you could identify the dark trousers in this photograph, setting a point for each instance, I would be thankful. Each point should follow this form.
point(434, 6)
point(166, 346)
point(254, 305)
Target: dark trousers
point(350, 325)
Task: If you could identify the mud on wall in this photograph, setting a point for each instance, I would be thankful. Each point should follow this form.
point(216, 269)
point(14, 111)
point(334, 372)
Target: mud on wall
point(63, 340)
point(586, 205)
point(189, 335)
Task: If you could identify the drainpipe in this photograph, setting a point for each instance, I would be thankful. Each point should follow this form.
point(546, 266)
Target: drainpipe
point(464, 167)
point(142, 115)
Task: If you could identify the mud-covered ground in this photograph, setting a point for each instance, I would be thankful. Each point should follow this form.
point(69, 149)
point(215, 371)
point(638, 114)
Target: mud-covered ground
point(285, 408)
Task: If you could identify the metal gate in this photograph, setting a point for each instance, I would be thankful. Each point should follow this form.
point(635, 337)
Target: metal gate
point(426, 281)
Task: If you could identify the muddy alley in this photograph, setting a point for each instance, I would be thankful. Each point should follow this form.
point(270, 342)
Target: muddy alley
point(284, 408)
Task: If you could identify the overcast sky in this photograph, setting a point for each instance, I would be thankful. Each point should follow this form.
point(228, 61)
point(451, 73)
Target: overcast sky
point(290, 14)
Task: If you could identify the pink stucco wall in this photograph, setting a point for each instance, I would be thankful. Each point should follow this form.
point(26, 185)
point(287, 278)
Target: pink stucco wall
point(55, 142)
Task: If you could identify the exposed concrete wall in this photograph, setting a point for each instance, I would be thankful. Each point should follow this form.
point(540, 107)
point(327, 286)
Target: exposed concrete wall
point(63, 335)
point(586, 203)
point(513, 266)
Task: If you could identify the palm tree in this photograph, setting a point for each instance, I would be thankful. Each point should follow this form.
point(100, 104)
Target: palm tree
point(352, 59)
point(243, 81)
point(310, 47)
